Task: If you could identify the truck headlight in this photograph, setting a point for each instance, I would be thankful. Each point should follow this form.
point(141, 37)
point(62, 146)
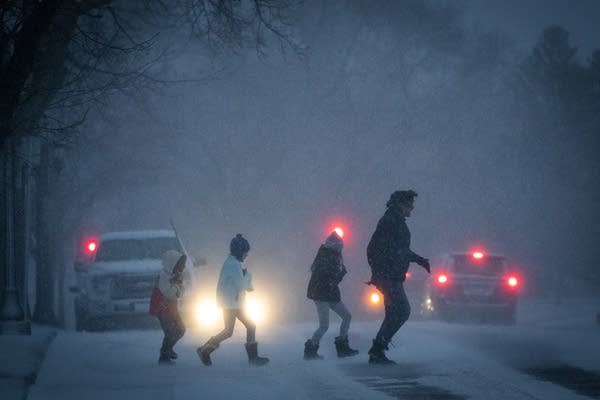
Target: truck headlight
point(255, 308)
point(207, 312)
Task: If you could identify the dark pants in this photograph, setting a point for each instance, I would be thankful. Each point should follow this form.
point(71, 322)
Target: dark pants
point(229, 317)
point(397, 310)
point(173, 328)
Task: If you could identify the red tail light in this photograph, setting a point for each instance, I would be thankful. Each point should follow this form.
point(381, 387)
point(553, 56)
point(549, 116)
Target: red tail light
point(442, 279)
point(512, 281)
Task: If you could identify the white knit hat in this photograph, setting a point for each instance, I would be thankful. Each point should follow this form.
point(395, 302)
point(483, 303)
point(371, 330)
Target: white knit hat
point(334, 242)
point(170, 258)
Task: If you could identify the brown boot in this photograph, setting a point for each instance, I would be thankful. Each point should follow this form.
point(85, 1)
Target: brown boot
point(253, 357)
point(204, 352)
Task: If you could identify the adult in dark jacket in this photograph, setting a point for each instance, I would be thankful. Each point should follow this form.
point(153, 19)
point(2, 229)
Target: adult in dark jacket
point(389, 256)
point(327, 271)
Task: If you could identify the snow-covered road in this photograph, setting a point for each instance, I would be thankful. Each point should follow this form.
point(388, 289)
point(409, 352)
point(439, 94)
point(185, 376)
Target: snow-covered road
point(435, 361)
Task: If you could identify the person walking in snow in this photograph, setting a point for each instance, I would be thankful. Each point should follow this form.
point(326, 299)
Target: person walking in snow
point(234, 281)
point(163, 303)
point(327, 271)
point(389, 255)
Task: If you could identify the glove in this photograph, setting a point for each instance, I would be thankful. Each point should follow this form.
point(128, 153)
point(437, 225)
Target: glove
point(179, 291)
point(424, 262)
point(426, 265)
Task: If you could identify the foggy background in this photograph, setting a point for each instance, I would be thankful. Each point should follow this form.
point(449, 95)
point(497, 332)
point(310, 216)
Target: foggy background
point(385, 96)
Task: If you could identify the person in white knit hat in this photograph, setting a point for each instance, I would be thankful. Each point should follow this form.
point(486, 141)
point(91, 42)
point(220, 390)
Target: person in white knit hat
point(163, 303)
point(327, 271)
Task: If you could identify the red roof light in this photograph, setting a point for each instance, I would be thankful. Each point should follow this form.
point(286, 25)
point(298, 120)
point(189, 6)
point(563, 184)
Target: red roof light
point(512, 281)
point(90, 246)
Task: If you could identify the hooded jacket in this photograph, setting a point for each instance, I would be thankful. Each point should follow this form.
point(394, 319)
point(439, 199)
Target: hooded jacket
point(233, 284)
point(388, 252)
point(163, 301)
point(327, 273)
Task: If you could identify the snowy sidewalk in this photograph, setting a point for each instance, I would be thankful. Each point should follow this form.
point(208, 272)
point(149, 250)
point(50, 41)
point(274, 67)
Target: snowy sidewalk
point(20, 360)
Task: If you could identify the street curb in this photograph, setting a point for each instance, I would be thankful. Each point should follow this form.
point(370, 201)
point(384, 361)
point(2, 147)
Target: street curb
point(31, 378)
point(17, 387)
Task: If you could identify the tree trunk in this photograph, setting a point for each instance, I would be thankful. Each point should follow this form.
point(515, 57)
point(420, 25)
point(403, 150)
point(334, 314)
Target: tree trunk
point(44, 305)
point(19, 223)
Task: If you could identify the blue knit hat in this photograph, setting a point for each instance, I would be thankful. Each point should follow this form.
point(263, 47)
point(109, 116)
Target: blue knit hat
point(238, 246)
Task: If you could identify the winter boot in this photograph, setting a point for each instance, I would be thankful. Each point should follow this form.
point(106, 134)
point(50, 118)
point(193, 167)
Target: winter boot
point(172, 355)
point(164, 359)
point(376, 354)
point(343, 348)
point(253, 357)
point(310, 351)
point(204, 352)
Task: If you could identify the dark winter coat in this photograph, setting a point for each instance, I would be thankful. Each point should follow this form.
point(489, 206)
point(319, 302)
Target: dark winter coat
point(388, 252)
point(327, 272)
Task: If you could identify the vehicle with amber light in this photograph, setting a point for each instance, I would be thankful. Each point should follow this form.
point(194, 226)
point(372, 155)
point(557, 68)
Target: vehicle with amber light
point(472, 285)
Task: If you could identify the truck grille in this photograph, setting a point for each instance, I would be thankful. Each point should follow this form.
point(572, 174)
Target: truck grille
point(132, 287)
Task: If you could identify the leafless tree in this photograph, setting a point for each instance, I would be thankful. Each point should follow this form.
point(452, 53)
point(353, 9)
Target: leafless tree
point(61, 58)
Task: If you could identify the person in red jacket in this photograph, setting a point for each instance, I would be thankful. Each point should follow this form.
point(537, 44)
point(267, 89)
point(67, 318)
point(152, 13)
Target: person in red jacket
point(163, 303)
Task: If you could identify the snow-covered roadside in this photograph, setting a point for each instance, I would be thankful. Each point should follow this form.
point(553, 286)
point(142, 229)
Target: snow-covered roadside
point(20, 360)
point(123, 364)
point(490, 361)
point(459, 361)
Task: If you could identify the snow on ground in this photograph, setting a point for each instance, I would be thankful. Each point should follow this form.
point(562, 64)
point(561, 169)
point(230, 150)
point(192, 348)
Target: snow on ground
point(436, 360)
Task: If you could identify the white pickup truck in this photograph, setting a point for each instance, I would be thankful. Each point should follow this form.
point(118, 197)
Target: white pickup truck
point(117, 279)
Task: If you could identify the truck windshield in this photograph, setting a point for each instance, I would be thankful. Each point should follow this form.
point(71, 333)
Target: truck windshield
point(136, 249)
point(491, 266)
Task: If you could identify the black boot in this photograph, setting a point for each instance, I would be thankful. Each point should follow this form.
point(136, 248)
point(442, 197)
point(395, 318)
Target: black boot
point(204, 352)
point(376, 354)
point(253, 357)
point(343, 348)
point(310, 351)
point(172, 355)
point(164, 359)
